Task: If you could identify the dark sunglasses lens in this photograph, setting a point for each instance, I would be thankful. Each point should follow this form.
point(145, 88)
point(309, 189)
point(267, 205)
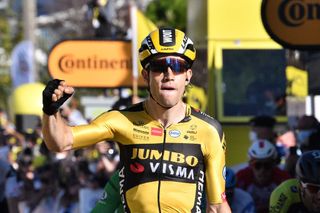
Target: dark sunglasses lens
point(162, 65)
point(259, 165)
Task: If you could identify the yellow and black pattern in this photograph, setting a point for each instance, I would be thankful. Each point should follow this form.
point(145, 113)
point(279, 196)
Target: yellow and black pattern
point(167, 169)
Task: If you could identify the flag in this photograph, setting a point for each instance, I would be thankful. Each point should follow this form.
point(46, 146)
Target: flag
point(141, 27)
point(22, 67)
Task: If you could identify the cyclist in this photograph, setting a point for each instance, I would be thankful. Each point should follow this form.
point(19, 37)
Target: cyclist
point(262, 175)
point(110, 200)
point(168, 150)
point(301, 194)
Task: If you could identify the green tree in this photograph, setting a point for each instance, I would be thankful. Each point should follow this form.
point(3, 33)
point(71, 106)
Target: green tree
point(8, 39)
point(171, 13)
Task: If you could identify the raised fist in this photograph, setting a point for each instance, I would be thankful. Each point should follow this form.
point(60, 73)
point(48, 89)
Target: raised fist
point(54, 95)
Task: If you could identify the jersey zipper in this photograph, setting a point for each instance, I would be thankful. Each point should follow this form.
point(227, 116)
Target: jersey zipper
point(160, 171)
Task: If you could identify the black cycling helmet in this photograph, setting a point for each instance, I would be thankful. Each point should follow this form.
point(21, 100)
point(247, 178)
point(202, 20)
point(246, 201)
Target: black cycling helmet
point(308, 167)
point(166, 41)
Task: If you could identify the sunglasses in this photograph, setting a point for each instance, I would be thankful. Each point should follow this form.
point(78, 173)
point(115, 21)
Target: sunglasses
point(161, 65)
point(312, 188)
point(261, 165)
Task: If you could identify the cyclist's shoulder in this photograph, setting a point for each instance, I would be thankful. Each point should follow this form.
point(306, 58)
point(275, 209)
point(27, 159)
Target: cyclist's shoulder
point(287, 191)
point(130, 111)
point(133, 108)
point(208, 120)
point(285, 196)
point(289, 186)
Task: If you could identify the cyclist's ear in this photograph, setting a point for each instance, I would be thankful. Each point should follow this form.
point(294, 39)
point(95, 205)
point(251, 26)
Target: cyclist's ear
point(145, 75)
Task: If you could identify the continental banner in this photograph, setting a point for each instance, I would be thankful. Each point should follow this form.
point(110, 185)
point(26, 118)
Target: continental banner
point(293, 23)
point(92, 63)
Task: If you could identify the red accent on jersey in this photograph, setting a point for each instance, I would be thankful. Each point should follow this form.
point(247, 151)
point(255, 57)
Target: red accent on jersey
point(223, 196)
point(136, 168)
point(156, 131)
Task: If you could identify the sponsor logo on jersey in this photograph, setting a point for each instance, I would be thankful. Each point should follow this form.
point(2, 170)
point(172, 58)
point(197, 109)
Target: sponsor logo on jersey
point(280, 203)
point(294, 189)
point(154, 154)
point(179, 162)
point(136, 168)
point(192, 132)
point(200, 188)
point(193, 127)
point(140, 131)
point(121, 184)
point(172, 170)
point(140, 137)
point(174, 133)
point(156, 131)
point(103, 197)
point(138, 123)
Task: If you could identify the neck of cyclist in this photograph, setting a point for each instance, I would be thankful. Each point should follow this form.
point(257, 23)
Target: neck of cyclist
point(165, 115)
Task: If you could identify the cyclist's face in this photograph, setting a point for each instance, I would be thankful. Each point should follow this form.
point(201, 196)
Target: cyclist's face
point(168, 77)
point(262, 171)
point(311, 196)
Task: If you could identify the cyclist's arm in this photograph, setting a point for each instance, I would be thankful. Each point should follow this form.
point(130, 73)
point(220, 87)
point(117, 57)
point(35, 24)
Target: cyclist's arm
point(61, 137)
point(215, 167)
point(215, 208)
point(56, 133)
point(110, 200)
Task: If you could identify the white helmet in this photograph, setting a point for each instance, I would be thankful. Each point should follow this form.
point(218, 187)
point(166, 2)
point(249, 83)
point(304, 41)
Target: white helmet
point(262, 149)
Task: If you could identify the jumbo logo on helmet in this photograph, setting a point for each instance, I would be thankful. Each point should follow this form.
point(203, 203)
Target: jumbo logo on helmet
point(167, 37)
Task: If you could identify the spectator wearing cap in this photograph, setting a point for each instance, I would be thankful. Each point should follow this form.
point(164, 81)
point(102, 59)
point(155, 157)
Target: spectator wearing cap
point(261, 175)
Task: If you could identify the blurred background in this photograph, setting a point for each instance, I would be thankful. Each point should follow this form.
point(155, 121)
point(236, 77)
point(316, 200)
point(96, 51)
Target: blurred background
point(240, 73)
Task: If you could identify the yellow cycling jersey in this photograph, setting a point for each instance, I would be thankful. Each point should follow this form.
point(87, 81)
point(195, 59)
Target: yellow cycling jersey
point(286, 198)
point(162, 169)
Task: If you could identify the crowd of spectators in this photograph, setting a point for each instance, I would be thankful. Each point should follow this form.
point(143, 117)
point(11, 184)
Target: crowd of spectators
point(50, 182)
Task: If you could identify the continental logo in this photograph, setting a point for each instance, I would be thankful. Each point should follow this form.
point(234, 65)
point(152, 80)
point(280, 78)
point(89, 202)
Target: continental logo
point(170, 156)
point(92, 63)
point(72, 63)
point(295, 13)
point(292, 23)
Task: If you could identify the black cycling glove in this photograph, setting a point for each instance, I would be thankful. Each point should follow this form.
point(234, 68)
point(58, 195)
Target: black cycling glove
point(50, 107)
